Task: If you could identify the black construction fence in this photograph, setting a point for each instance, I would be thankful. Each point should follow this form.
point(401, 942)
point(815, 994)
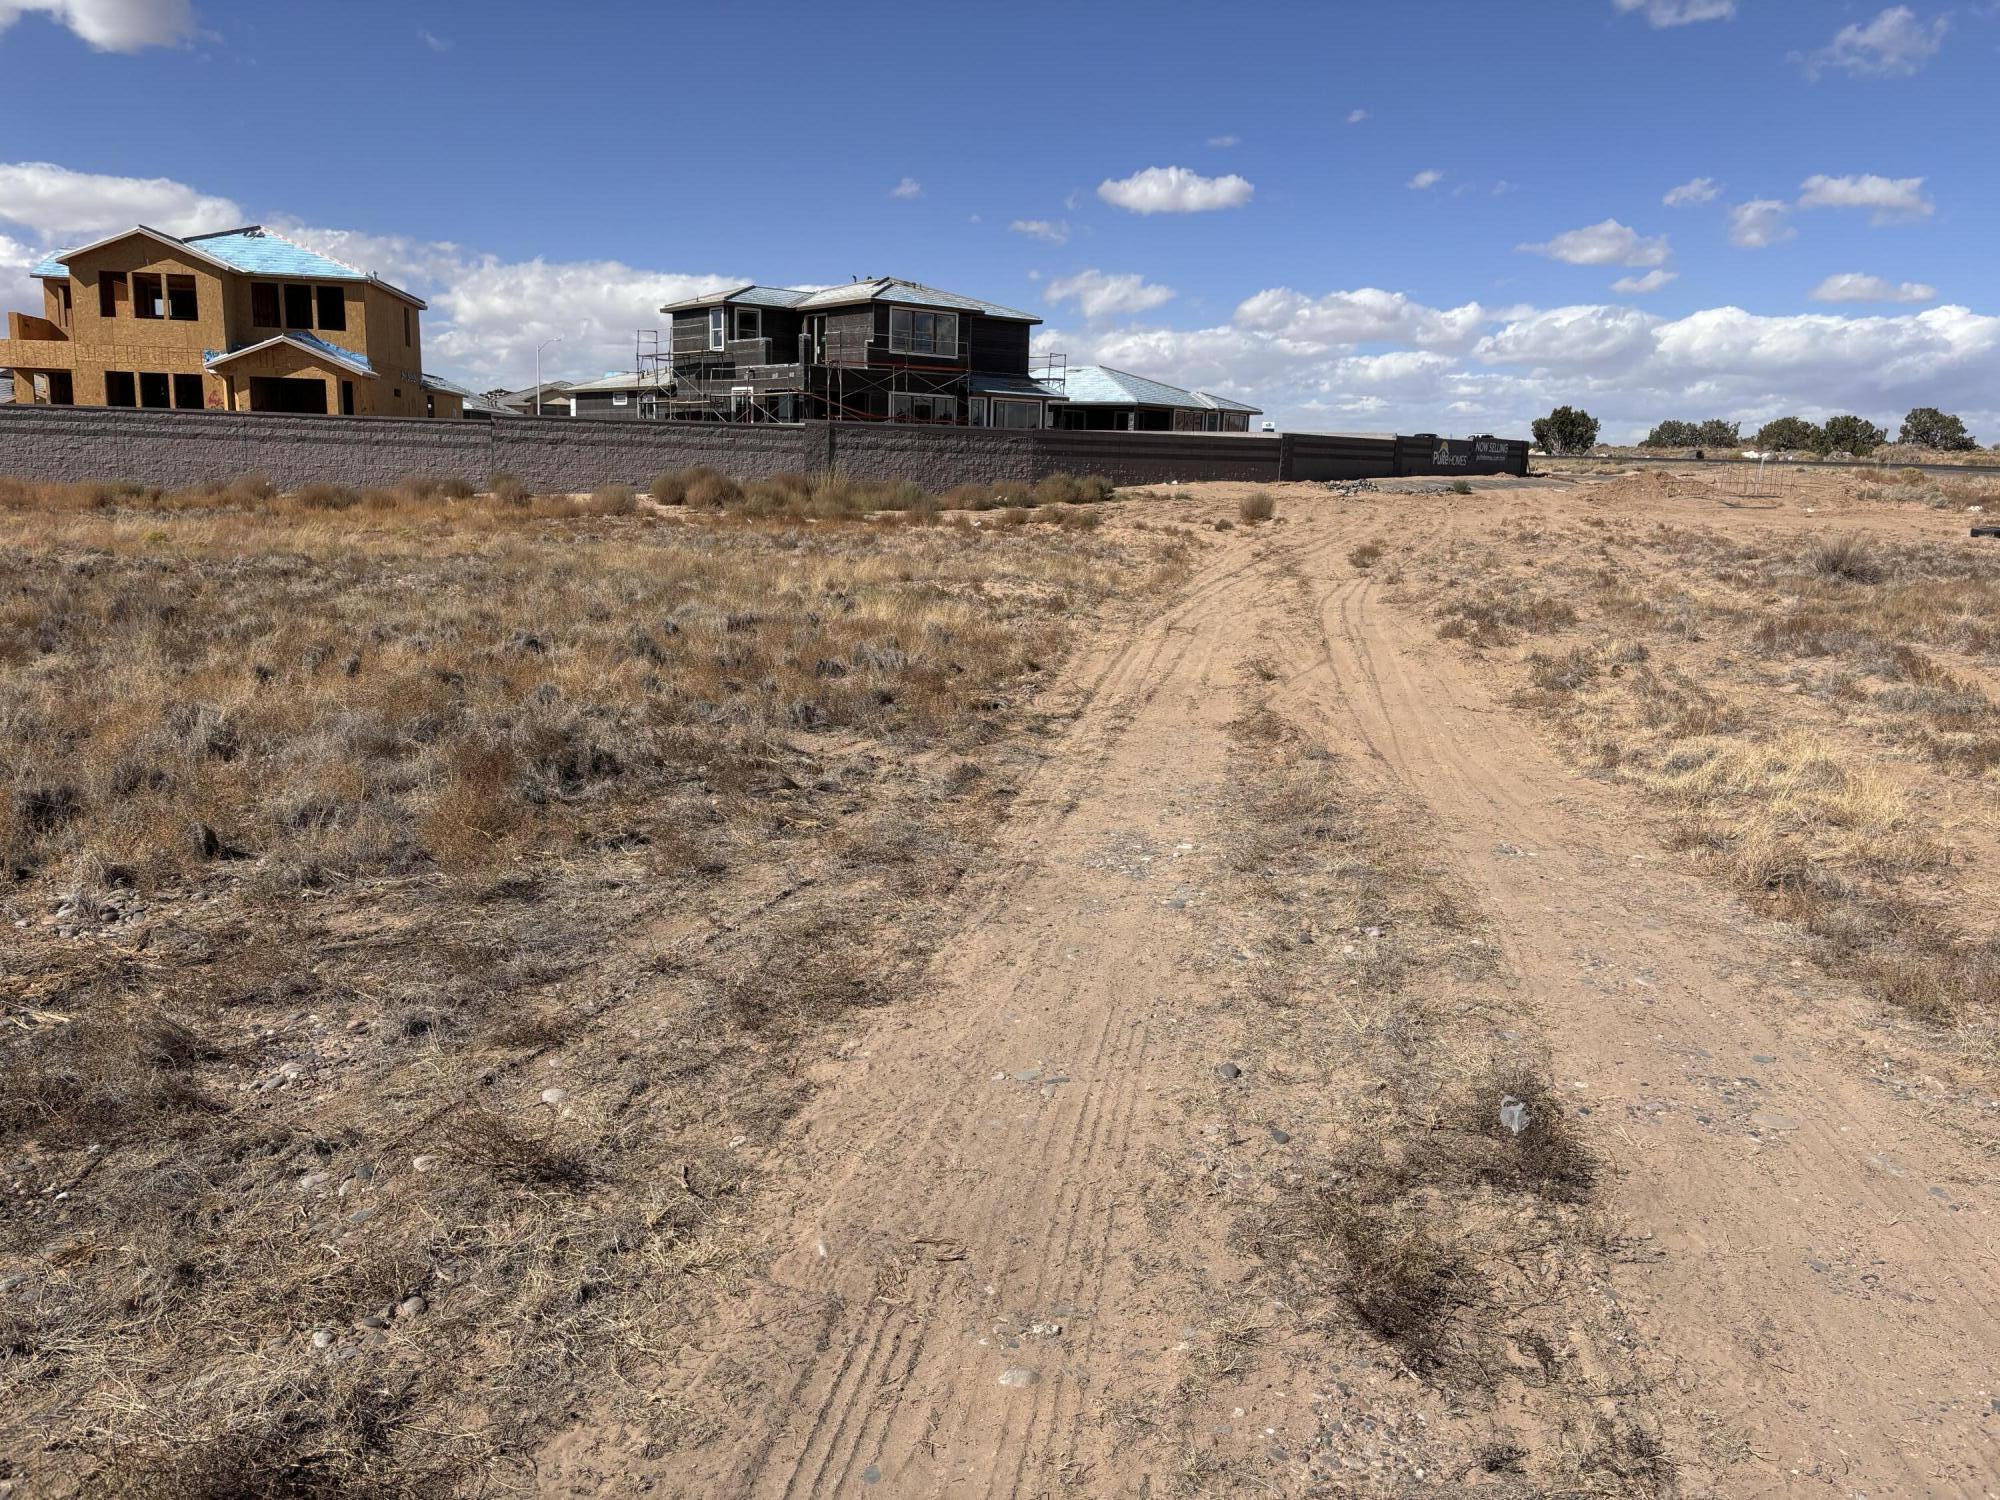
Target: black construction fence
point(64, 444)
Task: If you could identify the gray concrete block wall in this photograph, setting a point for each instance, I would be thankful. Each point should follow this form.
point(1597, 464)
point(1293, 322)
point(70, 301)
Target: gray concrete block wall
point(568, 454)
point(935, 457)
point(70, 444)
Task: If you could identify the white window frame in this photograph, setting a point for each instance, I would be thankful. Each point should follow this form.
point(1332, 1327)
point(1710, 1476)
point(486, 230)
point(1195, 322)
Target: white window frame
point(938, 406)
point(718, 326)
point(1001, 403)
point(940, 343)
point(755, 315)
point(618, 398)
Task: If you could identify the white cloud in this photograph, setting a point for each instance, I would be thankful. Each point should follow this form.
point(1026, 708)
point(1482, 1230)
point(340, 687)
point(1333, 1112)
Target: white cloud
point(1430, 177)
point(1760, 223)
point(1296, 356)
point(409, 263)
point(111, 25)
point(1100, 296)
point(1174, 190)
point(1894, 44)
point(17, 288)
point(1571, 339)
point(1364, 316)
point(1853, 286)
point(909, 187)
point(1607, 244)
point(1356, 116)
point(491, 315)
point(1652, 281)
point(60, 204)
point(1054, 231)
point(1892, 198)
point(1663, 13)
point(434, 42)
point(1224, 140)
point(1698, 190)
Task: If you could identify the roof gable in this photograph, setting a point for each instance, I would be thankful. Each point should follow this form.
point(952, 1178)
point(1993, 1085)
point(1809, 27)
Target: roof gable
point(304, 342)
point(890, 289)
point(251, 251)
point(58, 265)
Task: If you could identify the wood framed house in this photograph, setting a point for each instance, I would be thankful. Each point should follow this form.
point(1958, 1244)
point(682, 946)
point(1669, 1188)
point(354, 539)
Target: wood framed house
point(883, 350)
point(239, 320)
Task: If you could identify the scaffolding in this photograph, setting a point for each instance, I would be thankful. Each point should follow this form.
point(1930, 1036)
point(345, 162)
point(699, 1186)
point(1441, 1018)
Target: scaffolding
point(838, 377)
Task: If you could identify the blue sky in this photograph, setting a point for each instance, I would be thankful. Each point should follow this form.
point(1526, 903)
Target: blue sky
point(1435, 215)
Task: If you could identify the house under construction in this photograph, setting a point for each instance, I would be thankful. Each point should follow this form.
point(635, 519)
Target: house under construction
point(883, 350)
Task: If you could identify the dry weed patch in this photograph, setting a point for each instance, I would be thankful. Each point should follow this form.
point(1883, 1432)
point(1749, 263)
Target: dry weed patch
point(1446, 1217)
point(1789, 701)
point(421, 910)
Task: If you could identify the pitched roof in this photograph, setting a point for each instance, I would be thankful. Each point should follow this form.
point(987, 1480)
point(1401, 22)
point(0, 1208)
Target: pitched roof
point(1224, 403)
point(878, 289)
point(985, 384)
point(1100, 385)
point(252, 249)
point(304, 341)
point(617, 380)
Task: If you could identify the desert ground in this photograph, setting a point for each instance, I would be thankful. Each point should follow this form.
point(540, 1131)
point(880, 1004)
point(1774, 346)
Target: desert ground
point(1356, 989)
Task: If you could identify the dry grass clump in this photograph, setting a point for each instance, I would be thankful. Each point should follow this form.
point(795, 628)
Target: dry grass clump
point(1258, 505)
point(614, 500)
point(508, 489)
point(837, 495)
point(1491, 618)
point(1847, 557)
point(1366, 555)
point(424, 909)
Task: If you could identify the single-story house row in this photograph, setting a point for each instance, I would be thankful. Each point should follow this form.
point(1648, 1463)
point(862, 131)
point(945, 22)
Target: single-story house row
point(1097, 398)
point(622, 396)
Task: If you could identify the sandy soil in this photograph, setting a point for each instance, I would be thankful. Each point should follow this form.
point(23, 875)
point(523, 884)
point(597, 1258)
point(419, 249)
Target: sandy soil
point(972, 1283)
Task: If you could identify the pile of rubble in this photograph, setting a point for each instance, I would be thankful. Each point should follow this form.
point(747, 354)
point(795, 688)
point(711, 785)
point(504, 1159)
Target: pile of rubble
point(1370, 487)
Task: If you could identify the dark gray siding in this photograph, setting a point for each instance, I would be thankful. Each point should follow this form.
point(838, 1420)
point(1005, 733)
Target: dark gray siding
point(999, 345)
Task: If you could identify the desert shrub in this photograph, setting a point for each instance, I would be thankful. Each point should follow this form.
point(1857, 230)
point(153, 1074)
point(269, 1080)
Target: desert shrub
point(1078, 518)
point(1847, 557)
point(1461, 486)
point(709, 490)
point(670, 487)
point(1258, 505)
point(328, 497)
point(455, 488)
point(614, 499)
point(251, 488)
point(508, 489)
point(1366, 555)
point(1067, 489)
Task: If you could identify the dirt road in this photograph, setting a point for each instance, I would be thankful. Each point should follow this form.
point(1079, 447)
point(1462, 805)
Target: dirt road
point(976, 1287)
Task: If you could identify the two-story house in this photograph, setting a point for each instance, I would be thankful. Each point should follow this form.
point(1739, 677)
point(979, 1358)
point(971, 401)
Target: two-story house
point(883, 350)
point(240, 320)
